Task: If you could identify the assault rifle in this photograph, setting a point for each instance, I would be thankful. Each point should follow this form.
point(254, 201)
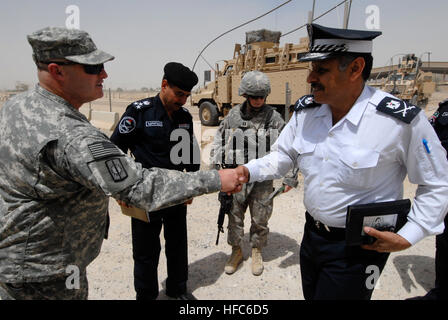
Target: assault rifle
point(226, 201)
point(226, 205)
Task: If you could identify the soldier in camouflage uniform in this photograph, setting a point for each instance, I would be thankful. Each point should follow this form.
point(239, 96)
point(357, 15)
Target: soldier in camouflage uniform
point(57, 173)
point(246, 133)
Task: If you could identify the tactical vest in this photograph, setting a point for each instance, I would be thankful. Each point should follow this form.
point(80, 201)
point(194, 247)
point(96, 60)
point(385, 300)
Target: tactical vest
point(246, 138)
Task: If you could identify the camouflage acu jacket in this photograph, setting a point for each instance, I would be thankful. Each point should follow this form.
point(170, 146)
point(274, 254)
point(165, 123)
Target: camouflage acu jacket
point(56, 174)
point(243, 136)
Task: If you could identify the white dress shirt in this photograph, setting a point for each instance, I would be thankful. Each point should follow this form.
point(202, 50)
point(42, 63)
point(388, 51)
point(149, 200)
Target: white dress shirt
point(361, 159)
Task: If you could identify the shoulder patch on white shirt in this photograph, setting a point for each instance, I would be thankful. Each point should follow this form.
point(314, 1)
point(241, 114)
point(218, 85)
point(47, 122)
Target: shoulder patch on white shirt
point(306, 101)
point(398, 108)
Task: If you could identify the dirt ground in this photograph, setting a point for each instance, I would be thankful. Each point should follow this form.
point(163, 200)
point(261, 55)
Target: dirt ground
point(407, 274)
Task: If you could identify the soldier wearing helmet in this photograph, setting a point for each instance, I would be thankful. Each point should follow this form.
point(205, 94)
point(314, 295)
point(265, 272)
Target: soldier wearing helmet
point(247, 133)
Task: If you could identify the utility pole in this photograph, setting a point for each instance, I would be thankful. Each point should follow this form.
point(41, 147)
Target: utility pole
point(347, 7)
point(110, 102)
point(311, 13)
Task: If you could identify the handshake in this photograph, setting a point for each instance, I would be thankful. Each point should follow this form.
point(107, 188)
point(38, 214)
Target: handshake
point(232, 180)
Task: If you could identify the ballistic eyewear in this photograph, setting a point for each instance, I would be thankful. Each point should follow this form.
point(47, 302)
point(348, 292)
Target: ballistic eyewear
point(256, 97)
point(89, 69)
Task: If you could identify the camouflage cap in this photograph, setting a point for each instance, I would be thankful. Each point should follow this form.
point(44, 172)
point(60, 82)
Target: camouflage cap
point(52, 43)
point(255, 83)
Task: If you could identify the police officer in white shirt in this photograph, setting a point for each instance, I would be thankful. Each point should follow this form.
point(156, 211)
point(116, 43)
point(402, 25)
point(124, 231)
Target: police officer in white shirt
point(354, 145)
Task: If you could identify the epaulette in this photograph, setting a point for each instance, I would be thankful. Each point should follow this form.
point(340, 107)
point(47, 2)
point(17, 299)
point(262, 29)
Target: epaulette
point(306, 102)
point(398, 108)
point(144, 103)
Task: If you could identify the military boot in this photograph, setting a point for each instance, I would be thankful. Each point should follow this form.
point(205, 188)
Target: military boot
point(257, 262)
point(234, 261)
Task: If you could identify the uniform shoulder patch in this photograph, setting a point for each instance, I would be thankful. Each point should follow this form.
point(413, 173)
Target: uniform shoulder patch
point(398, 108)
point(103, 149)
point(306, 102)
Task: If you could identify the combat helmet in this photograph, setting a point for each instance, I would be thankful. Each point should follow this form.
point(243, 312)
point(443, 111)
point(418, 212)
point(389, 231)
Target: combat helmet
point(255, 83)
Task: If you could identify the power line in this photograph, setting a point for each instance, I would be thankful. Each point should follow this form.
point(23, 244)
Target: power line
point(264, 14)
point(289, 32)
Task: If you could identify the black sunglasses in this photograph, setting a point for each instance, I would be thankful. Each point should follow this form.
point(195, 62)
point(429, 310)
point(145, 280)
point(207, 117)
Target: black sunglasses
point(89, 69)
point(256, 97)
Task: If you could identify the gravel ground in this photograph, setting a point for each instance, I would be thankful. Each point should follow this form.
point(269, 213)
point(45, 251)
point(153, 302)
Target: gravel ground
point(407, 273)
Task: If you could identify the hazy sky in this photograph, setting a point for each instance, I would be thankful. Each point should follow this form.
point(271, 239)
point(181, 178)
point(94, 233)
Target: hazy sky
point(143, 35)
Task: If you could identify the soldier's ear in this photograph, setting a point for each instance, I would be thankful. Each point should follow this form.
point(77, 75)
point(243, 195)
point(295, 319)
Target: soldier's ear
point(55, 70)
point(356, 68)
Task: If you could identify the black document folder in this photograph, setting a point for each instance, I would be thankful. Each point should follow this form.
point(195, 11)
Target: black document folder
point(383, 216)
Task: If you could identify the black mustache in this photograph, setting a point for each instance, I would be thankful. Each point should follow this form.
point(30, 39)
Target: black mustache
point(318, 86)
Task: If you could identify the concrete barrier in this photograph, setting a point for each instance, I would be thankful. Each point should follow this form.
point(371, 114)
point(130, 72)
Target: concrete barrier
point(105, 120)
point(85, 110)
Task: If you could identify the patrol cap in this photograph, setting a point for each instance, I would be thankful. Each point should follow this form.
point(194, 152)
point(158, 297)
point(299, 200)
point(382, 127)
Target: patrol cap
point(329, 42)
point(54, 43)
point(180, 76)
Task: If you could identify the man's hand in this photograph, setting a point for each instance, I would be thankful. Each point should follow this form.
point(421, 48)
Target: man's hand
point(243, 174)
point(385, 241)
point(287, 188)
point(123, 204)
point(229, 181)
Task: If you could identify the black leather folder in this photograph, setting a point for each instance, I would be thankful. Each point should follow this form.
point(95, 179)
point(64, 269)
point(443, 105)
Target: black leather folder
point(383, 216)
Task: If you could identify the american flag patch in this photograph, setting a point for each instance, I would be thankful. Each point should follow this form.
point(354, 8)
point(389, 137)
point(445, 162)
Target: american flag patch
point(103, 149)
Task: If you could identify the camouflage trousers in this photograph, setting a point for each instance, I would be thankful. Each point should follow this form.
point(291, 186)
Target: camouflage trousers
point(253, 196)
point(51, 290)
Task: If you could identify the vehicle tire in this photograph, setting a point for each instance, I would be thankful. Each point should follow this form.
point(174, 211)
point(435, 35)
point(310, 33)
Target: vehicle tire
point(208, 114)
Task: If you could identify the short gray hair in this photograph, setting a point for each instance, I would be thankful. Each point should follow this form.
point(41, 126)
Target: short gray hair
point(346, 59)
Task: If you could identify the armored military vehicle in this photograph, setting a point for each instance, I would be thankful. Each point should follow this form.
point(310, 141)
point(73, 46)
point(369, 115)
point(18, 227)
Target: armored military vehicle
point(261, 52)
point(409, 82)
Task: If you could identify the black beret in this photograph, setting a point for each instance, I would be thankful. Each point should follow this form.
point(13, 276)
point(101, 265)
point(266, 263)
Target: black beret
point(180, 76)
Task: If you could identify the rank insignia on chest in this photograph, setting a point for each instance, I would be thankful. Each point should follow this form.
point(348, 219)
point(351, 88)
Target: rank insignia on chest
point(398, 109)
point(244, 124)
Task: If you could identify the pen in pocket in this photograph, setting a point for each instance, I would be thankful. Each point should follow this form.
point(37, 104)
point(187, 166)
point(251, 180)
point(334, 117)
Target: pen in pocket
point(425, 144)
